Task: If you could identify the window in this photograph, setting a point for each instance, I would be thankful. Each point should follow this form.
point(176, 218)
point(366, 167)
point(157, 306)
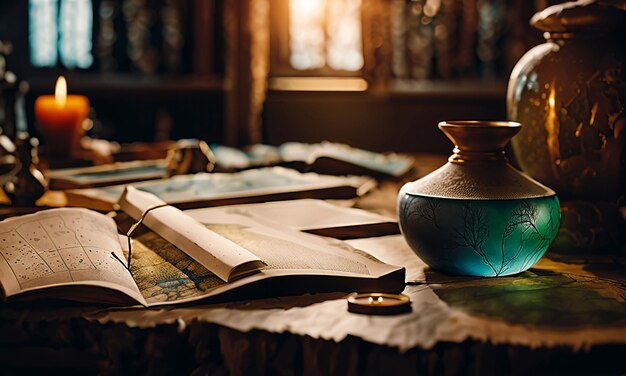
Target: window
point(43, 32)
point(316, 37)
point(61, 29)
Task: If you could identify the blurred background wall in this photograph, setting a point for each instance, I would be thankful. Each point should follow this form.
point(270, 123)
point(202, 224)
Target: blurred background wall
point(377, 74)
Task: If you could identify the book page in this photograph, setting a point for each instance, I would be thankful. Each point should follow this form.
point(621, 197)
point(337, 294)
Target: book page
point(303, 215)
point(62, 247)
point(223, 257)
point(166, 275)
point(291, 251)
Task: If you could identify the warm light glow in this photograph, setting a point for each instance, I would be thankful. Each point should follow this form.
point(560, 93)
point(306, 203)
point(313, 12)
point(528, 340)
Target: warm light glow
point(553, 128)
point(551, 100)
point(378, 300)
point(310, 7)
point(343, 30)
point(306, 34)
point(432, 7)
point(318, 84)
point(60, 92)
point(325, 33)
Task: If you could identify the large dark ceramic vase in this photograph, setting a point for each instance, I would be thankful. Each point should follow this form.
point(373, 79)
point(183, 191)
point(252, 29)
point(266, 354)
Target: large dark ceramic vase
point(477, 215)
point(570, 94)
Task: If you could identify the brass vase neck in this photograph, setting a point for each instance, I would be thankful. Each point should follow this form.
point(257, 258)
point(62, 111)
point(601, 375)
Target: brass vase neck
point(461, 156)
point(479, 140)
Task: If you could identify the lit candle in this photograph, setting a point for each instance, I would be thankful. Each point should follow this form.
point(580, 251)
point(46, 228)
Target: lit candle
point(61, 119)
point(379, 303)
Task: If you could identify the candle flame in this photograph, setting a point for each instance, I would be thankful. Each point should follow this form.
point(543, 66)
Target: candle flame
point(378, 300)
point(60, 92)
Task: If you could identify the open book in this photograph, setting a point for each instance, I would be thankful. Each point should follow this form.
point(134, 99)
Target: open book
point(265, 184)
point(77, 254)
point(324, 158)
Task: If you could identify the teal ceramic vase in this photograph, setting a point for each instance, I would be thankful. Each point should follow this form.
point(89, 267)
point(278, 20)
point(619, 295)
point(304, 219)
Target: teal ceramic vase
point(477, 215)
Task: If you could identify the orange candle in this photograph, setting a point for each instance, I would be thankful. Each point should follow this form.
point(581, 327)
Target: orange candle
point(61, 118)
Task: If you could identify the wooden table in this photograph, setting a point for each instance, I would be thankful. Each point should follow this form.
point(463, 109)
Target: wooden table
point(566, 315)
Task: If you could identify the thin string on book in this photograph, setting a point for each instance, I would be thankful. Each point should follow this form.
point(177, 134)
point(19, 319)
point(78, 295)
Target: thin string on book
point(130, 233)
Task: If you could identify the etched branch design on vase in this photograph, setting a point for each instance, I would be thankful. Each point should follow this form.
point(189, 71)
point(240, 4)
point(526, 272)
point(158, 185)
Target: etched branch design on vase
point(474, 233)
point(427, 210)
point(420, 210)
point(521, 232)
point(406, 208)
point(524, 219)
point(545, 238)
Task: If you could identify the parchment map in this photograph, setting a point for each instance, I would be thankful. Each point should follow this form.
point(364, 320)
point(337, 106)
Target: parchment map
point(164, 273)
point(206, 186)
point(62, 246)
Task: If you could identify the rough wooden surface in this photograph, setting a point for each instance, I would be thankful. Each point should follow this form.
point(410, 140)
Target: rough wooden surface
point(566, 315)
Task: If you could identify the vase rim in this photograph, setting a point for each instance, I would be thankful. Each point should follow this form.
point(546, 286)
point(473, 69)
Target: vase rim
point(581, 15)
point(479, 123)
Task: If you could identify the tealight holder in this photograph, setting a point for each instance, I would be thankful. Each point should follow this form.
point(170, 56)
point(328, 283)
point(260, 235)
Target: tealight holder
point(477, 215)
